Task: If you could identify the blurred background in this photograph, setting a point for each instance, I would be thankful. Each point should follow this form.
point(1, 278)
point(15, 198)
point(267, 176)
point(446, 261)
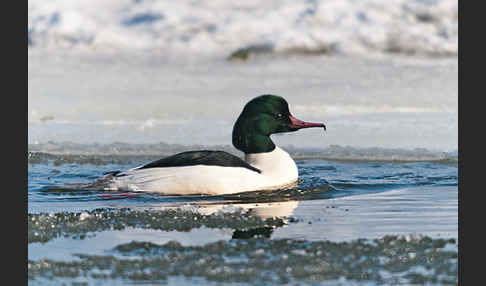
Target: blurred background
point(380, 74)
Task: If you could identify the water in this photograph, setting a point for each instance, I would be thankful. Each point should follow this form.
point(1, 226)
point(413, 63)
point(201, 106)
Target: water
point(337, 201)
point(116, 84)
point(377, 203)
point(335, 179)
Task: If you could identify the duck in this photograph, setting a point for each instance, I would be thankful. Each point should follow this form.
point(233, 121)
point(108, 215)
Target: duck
point(206, 172)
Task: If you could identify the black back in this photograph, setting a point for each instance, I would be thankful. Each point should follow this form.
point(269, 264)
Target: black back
point(204, 157)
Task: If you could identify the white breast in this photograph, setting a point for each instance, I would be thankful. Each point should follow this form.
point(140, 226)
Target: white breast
point(277, 166)
point(277, 170)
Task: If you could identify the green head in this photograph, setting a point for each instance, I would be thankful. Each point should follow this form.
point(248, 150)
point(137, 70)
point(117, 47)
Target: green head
point(261, 117)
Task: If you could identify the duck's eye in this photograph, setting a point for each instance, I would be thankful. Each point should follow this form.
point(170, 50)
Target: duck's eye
point(280, 116)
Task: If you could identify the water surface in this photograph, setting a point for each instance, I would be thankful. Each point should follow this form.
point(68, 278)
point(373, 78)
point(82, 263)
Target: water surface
point(408, 208)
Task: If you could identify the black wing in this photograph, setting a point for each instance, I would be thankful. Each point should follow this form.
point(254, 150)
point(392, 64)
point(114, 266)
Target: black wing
point(204, 157)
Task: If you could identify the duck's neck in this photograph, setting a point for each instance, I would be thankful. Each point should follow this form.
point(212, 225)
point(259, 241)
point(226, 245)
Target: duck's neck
point(251, 143)
point(274, 163)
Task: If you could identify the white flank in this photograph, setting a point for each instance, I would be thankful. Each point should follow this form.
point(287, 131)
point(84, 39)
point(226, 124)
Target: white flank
point(277, 170)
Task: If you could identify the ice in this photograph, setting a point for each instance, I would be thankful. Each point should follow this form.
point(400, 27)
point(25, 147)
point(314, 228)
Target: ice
point(385, 102)
point(143, 72)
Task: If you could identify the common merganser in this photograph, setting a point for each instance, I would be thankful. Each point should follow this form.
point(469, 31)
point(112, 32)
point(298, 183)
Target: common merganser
point(266, 166)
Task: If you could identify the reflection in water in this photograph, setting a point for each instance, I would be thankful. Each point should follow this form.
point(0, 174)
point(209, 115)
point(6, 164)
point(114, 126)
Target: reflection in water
point(262, 210)
point(281, 210)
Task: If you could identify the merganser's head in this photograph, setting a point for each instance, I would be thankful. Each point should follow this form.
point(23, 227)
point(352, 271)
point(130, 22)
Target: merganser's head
point(261, 117)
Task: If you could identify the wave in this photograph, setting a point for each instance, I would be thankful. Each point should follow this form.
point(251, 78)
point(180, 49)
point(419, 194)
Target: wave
point(424, 27)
